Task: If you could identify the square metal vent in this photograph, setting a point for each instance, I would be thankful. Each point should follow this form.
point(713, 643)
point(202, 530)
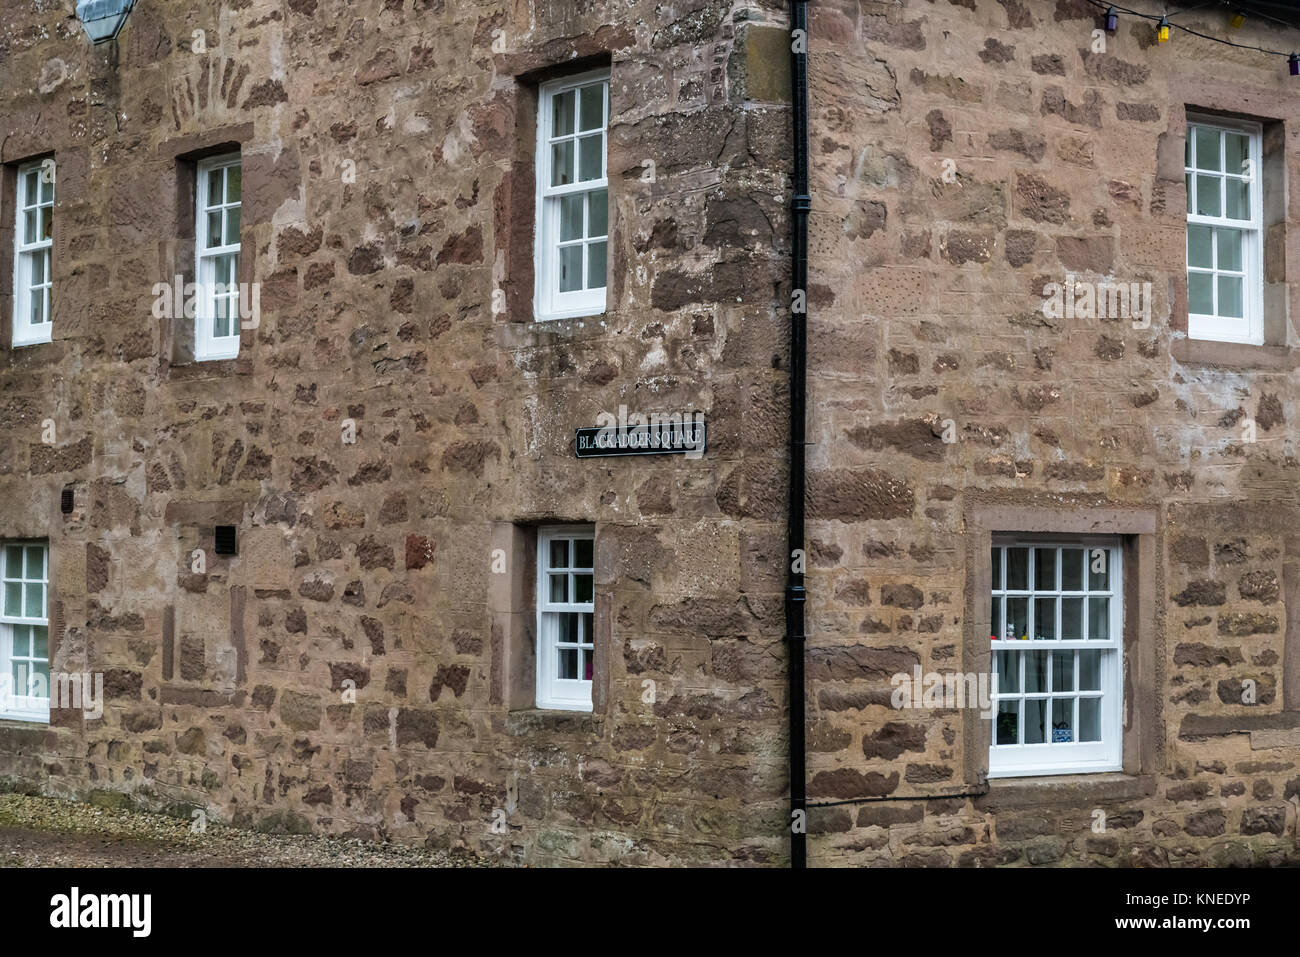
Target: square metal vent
point(225, 540)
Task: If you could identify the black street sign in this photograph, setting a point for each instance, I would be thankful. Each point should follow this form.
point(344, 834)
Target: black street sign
point(673, 435)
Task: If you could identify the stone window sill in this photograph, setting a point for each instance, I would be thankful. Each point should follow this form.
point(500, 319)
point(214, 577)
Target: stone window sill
point(532, 720)
point(1234, 355)
point(1073, 790)
point(534, 332)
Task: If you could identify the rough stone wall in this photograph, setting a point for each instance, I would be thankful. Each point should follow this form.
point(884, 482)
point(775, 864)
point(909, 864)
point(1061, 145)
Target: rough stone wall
point(372, 562)
point(925, 312)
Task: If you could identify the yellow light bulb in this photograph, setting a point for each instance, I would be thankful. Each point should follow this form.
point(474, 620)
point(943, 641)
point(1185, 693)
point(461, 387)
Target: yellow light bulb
point(1238, 21)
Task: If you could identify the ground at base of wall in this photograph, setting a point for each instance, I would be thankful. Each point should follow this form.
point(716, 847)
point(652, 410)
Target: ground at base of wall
point(46, 832)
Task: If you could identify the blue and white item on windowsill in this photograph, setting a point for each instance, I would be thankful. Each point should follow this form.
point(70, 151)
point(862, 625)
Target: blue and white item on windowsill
point(1061, 733)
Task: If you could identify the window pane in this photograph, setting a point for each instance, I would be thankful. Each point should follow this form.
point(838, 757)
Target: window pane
point(1098, 570)
point(1238, 199)
point(1071, 569)
point(1062, 670)
point(22, 640)
point(1200, 247)
point(47, 185)
point(1045, 569)
point(598, 213)
point(995, 558)
point(29, 226)
point(563, 113)
point(588, 628)
point(1090, 670)
point(1099, 618)
point(1062, 720)
point(38, 269)
point(591, 153)
point(568, 629)
point(1017, 569)
point(1207, 148)
point(1035, 672)
point(1089, 719)
point(568, 663)
point(29, 194)
point(40, 641)
point(35, 564)
point(1200, 293)
point(582, 588)
point(221, 320)
point(1072, 619)
point(588, 664)
point(1237, 152)
point(1008, 722)
point(1230, 297)
point(234, 183)
point(570, 268)
point(47, 222)
point(1187, 183)
point(1017, 618)
point(1208, 202)
point(36, 314)
point(214, 187)
point(1045, 618)
point(995, 618)
point(1036, 721)
point(232, 226)
point(596, 255)
point(559, 553)
point(13, 561)
point(593, 107)
point(559, 589)
point(1229, 241)
point(214, 229)
point(562, 163)
point(40, 680)
point(582, 553)
point(571, 217)
point(13, 599)
point(1008, 669)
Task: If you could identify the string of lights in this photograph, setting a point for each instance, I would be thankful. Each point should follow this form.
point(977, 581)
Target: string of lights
point(1164, 26)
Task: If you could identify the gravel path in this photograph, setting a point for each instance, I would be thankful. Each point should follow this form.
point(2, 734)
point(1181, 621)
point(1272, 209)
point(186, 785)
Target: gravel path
point(44, 832)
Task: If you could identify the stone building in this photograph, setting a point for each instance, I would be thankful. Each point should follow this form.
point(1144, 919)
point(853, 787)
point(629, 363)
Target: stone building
point(310, 296)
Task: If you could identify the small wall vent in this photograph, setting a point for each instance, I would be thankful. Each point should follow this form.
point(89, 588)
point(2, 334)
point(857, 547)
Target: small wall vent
point(226, 542)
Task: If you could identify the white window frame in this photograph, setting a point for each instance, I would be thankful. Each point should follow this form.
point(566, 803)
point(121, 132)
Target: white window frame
point(27, 255)
point(548, 301)
point(553, 692)
point(1250, 328)
point(1052, 757)
point(207, 345)
point(14, 706)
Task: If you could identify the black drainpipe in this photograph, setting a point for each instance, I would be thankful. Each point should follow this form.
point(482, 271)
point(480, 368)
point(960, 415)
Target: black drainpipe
point(794, 590)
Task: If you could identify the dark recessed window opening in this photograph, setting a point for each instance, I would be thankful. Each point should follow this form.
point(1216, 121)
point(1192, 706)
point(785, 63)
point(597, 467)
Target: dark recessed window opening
point(225, 540)
point(65, 503)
